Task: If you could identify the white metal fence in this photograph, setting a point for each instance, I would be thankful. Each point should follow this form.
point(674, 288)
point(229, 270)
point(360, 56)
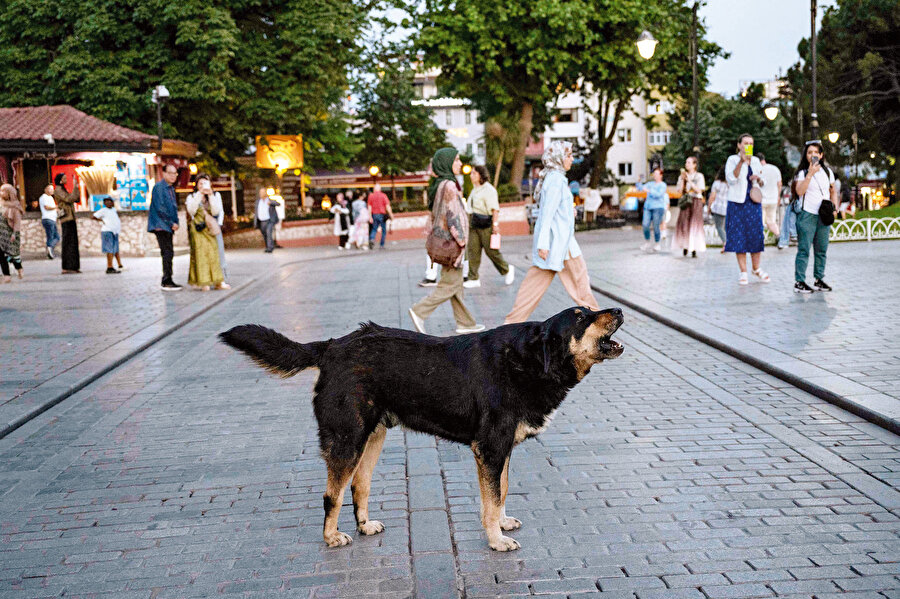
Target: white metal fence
point(860, 229)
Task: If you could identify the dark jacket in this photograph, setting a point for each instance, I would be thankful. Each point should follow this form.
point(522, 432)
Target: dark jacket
point(163, 212)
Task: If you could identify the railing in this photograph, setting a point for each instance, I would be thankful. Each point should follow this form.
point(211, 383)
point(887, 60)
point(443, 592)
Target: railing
point(860, 229)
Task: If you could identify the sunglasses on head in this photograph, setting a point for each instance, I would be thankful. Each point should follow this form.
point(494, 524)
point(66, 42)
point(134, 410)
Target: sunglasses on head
point(814, 141)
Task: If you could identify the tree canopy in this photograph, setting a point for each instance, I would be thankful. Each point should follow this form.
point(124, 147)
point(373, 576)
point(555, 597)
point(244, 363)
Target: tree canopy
point(234, 68)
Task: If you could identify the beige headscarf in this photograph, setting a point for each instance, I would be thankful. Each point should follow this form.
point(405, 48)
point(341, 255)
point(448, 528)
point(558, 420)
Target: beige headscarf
point(10, 207)
point(553, 161)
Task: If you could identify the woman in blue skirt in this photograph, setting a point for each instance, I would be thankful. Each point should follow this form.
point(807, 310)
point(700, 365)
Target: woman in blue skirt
point(743, 219)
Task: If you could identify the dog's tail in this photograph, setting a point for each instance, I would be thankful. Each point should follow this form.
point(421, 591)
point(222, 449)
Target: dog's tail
point(272, 350)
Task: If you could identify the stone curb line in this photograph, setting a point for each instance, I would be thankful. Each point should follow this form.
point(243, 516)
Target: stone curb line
point(41, 407)
point(882, 418)
point(67, 391)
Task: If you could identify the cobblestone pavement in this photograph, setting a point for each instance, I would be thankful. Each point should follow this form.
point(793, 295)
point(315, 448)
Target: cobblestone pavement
point(844, 342)
point(674, 471)
point(63, 329)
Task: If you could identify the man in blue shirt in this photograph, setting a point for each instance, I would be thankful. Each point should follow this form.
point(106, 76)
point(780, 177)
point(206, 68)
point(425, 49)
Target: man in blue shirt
point(162, 221)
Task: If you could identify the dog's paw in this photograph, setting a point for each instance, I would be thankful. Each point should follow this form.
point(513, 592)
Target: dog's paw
point(338, 539)
point(510, 523)
point(372, 527)
point(505, 544)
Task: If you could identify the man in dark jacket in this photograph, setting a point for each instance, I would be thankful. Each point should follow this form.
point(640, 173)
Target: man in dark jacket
point(162, 221)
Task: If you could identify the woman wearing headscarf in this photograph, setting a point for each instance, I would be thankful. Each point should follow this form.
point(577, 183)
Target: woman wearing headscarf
point(449, 221)
point(65, 201)
point(205, 270)
point(11, 214)
point(554, 249)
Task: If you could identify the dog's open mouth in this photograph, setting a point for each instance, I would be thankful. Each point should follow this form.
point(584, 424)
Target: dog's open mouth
point(609, 348)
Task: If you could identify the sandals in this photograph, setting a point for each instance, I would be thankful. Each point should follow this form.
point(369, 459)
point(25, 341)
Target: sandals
point(763, 275)
point(743, 279)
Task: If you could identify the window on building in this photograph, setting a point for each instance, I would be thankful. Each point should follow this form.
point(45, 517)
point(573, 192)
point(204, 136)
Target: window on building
point(419, 89)
point(567, 115)
point(468, 117)
point(481, 149)
point(449, 117)
point(624, 169)
point(659, 138)
point(571, 140)
point(624, 135)
point(468, 149)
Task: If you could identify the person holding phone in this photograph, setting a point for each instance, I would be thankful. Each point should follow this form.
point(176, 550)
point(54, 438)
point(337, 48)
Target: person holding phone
point(743, 221)
point(813, 185)
point(203, 228)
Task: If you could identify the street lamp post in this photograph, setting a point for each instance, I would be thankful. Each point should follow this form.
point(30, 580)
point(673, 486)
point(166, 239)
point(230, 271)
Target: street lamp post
point(814, 122)
point(696, 148)
point(160, 95)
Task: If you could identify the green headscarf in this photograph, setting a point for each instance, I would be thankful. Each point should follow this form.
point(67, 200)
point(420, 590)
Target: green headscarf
point(442, 169)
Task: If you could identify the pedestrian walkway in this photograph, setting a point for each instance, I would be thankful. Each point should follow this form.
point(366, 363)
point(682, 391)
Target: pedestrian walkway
point(60, 331)
point(843, 344)
point(673, 471)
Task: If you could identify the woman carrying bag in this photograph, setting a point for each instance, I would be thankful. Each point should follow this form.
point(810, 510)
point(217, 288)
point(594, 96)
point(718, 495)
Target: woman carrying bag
point(485, 225)
point(71, 258)
point(689, 234)
point(449, 231)
point(814, 207)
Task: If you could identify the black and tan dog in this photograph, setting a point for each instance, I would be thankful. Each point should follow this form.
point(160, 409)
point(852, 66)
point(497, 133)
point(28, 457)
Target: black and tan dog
point(490, 390)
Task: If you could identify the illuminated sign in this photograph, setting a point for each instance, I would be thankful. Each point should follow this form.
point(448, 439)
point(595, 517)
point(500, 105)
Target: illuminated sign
point(279, 152)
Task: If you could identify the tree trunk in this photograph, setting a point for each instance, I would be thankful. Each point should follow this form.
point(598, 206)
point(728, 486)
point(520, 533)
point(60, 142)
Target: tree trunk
point(518, 161)
point(497, 170)
point(393, 192)
point(599, 163)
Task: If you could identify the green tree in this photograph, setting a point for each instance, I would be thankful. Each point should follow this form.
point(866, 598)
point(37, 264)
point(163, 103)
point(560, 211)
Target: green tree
point(511, 58)
point(858, 63)
point(234, 68)
point(611, 73)
point(394, 134)
point(721, 121)
point(501, 135)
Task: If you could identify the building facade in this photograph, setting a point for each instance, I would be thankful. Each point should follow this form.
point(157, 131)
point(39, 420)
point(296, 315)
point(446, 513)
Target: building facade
point(635, 146)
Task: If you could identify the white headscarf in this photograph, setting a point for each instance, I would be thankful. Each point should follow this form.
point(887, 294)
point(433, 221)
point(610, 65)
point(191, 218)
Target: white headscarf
point(553, 161)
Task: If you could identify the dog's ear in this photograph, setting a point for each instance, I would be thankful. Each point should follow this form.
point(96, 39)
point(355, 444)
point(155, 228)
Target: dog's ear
point(546, 340)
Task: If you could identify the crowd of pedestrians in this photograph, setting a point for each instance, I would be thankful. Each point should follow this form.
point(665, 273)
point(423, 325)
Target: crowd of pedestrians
point(744, 203)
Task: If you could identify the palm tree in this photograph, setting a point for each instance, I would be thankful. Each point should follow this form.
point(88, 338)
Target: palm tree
point(501, 138)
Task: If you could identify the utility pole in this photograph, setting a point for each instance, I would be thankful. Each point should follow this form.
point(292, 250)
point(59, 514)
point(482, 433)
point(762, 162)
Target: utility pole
point(696, 148)
point(814, 123)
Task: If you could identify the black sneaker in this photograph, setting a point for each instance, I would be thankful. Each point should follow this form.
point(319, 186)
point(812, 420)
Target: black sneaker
point(427, 283)
point(112, 271)
point(821, 285)
point(802, 287)
point(170, 286)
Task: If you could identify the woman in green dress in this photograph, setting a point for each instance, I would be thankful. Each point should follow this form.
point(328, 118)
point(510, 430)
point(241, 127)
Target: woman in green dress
point(205, 270)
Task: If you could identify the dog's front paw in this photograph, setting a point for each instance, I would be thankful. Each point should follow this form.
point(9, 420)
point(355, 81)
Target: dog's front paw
point(372, 527)
point(505, 544)
point(510, 523)
point(338, 539)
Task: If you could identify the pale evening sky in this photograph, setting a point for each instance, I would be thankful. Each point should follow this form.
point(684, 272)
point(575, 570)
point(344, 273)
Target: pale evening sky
point(762, 36)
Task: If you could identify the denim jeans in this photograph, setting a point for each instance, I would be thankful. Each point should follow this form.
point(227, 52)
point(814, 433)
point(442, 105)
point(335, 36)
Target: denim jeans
point(267, 228)
point(378, 220)
point(652, 216)
point(788, 227)
point(811, 232)
point(719, 220)
point(51, 231)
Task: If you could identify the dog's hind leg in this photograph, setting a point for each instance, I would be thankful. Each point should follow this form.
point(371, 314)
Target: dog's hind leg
point(362, 482)
point(506, 522)
point(490, 469)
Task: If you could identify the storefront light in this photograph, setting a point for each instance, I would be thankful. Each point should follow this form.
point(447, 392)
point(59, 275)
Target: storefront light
point(270, 191)
point(192, 168)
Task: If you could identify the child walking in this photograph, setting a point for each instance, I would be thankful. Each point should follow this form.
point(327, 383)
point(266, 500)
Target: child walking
point(109, 234)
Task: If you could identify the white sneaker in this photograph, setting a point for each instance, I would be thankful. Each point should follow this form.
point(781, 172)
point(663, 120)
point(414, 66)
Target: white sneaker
point(646, 247)
point(656, 248)
point(510, 276)
point(466, 330)
point(743, 280)
point(472, 283)
point(417, 321)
